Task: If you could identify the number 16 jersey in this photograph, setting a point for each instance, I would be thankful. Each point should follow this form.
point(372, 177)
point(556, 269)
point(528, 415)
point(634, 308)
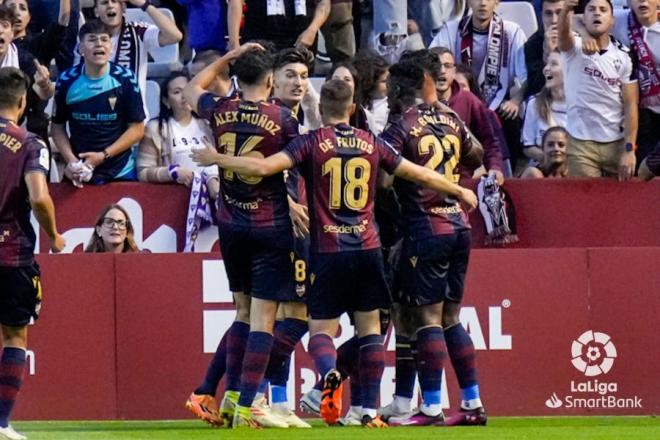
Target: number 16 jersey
point(340, 167)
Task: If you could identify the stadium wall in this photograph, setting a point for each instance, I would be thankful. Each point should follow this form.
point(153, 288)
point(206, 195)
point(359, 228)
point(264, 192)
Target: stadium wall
point(564, 331)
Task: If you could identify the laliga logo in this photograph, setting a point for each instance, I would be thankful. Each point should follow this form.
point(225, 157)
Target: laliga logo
point(593, 353)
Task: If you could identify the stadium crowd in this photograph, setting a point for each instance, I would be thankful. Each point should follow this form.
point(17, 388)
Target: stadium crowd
point(449, 86)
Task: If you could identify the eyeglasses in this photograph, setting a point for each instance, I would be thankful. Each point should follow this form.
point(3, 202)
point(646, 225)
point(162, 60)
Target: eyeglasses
point(448, 66)
point(111, 223)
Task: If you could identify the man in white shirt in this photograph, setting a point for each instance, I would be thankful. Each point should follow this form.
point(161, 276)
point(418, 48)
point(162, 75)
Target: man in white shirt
point(601, 96)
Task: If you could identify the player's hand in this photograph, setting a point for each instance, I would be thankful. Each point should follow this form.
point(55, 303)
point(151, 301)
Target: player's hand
point(467, 197)
point(499, 177)
point(205, 156)
point(213, 185)
point(627, 165)
point(186, 176)
point(300, 219)
point(92, 158)
point(306, 39)
point(41, 76)
point(57, 243)
point(244, 48)
point(509, 109)
point(589, 44)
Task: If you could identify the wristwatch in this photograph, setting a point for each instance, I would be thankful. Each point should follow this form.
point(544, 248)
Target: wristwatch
point(630, 147)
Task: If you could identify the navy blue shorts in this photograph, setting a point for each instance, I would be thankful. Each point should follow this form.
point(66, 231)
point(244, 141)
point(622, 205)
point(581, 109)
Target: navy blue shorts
point(433, 270)
point(20, 295)
point(259, 261)
point(300, 267)
point(347, 282)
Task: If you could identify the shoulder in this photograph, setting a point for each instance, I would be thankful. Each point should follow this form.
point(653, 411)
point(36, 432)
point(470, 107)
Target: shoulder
point(532, 173)
point(514, 30)
point(620, 47)
point(124, 76)
point(69, 76)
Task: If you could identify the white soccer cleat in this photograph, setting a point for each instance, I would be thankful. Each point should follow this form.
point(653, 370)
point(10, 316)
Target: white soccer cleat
point(310, 402)
point(263, 414)
point(291, 419)
point(391, 410)
point(10, 434)
point(352, 418)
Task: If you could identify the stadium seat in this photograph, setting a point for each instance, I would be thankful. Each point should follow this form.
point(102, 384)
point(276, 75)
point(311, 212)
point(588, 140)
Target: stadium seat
point(153, 99)
point(521, 13)
point(316, 82)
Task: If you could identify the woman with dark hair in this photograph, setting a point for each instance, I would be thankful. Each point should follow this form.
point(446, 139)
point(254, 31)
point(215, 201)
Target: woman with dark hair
point(164, 152)
point(553, 162)
point(372, 88)
point(113, 232)
point(346, 71)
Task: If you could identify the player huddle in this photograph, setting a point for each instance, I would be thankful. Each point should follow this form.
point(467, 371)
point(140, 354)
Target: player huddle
point(301, 245)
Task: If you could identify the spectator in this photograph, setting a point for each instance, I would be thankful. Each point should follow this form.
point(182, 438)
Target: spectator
point(372, 89)
point(286, 23)
point(102, 105)
point(541, 44)
point(131, 41)
point(472, 111)
point(553, 163)
point(650, 167)
point(47, 14)
point(338, 31)
point(393, 34)
point(475, 36)
point(431, 15)
point(602, 110)
point(346, 72)
point(164, 152)
point(546, 109)
point(204, 16)
point(223, 84)
point(113, 232)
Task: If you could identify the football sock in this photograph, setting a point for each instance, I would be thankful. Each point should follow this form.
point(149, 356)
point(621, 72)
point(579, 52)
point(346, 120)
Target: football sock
point(347, 353)
point(322, 351)
point(372, 364)
point(236, 341)
point(406, 370)
point(216, 369)
point(278, 398)
point(261, 391)
point(462, 355)
point(255, 361)
point(356, 391)
point(431, 353)
point(12, 366)
point(286, 336)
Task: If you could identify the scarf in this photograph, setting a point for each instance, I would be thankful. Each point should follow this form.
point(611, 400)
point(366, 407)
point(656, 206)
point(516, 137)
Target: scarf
point(648, 75)
point(497, 211)
point(11, 57)
point(276, 7)
point(128, 48)
point(496, 54)
point(199, 211)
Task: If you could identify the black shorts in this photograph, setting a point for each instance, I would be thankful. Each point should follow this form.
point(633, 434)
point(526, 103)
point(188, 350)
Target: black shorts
point(347, 282)
point(20, 295)
point(259, 262)
point(433, 270)
point(300, 267)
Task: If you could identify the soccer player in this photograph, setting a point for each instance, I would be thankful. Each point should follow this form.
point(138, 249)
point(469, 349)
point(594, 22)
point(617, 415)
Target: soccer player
point(102, 105)
point(24, 162)
point(435, 250)
point(256, 236)
point(340, 166)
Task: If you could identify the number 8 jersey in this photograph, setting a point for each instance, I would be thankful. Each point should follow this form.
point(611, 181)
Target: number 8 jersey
point(340, 167)
point(435, 139)
point(260, 129)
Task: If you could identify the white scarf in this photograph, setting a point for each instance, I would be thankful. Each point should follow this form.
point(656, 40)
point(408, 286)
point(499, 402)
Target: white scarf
point(11, 57)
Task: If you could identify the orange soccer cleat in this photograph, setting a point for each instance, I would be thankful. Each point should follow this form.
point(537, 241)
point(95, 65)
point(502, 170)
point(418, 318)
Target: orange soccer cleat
point(331, 397)
point(204, 407)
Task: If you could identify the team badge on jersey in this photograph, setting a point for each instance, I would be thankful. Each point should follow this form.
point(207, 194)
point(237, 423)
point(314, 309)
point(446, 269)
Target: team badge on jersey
point(112, 100)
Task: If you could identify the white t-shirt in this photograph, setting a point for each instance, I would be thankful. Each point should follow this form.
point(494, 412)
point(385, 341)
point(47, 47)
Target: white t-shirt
point(594, 91)
point(377, 116)
point(534, 127)
point(650, 34)
point(197, 134)
point(448, 36)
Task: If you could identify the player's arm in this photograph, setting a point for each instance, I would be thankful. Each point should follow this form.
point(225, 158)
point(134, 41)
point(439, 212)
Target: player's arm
point(43, 208)
point(246, 165)
point(168, 32)
point(566, 40)
point(630, 125)
point(431, 179)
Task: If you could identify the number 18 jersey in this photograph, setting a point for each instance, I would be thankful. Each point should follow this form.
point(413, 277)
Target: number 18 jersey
point(340, 166)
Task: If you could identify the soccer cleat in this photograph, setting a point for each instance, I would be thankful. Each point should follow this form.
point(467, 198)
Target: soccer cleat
point(417, 419)
point(390, 410)
point(352, 418)
point(371, 422)
point(291, 419)
point(9, 434)
point(228, 407)
point(243, 420)
point(331, 397)
point(473, 417)
point(310, 402)
point(262, 413)
point(204, 407)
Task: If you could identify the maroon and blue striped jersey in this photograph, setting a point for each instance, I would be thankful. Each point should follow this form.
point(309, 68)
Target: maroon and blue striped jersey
point(434, 139)
point(21, 152)
point(340, 166)
point(257, 129)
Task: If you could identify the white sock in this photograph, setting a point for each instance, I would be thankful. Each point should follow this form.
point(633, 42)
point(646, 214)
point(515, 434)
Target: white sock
point(281, 407)
point(432, 410)
point(259, 396)
point(471, 404)
point(355, 410)
point(369, 412)
point(402, 404)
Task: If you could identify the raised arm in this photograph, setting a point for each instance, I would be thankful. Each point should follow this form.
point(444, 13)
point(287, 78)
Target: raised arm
point(234, 15)
point(566, 40)
point(245, 165)
point(169, 33)
point(65, 13)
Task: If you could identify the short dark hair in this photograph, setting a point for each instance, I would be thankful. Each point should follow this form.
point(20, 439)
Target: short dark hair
point(425, 59)
point(13, 85)
point(336, 98)
point(405, 81)
point(93, 27)
point(7, 14)
point(294, 55)
point(441, 50)
point(207, 56)
point(252, 66)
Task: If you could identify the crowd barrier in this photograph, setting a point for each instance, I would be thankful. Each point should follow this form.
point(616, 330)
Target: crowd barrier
point(559, 331)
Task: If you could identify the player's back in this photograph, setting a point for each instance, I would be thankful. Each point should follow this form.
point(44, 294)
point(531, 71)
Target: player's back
point(20, 152)
point(258, 129)
point(340, 167)
point(435, 139)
